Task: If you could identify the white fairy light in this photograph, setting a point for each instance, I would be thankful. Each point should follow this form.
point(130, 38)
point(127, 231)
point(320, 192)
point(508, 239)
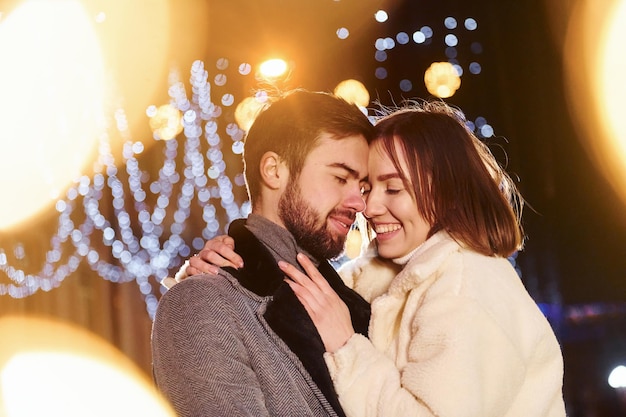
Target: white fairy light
point(133, 233)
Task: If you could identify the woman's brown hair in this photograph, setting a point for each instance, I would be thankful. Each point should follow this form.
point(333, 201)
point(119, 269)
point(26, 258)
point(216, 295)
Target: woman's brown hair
point(458, 184)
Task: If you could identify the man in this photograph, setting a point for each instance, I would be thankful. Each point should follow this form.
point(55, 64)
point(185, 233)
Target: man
point(240, 343)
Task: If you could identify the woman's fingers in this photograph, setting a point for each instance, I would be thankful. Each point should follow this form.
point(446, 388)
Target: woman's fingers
point(305, 289)
point(295, 275)
point(217, 252)
point(197, 266)
point(304, 296)
point(329, 313)
point(314, 274)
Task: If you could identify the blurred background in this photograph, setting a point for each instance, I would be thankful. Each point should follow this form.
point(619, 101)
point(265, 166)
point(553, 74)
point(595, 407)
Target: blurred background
point(121, 127)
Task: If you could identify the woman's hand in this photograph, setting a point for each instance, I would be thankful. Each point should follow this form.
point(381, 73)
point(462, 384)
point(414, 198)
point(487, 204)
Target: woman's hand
point(327, 311)
point(217, 252)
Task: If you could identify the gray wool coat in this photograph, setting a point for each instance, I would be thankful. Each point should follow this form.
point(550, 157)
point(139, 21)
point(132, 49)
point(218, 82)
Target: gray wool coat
point(240, 343)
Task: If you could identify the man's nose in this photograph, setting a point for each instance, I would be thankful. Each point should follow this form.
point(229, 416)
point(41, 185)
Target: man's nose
point(355, 201)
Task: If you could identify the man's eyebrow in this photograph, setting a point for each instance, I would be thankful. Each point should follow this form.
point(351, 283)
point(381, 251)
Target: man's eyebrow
point(351, 171)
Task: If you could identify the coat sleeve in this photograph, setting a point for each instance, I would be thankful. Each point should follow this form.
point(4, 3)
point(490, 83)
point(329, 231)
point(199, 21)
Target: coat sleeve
point(199, 362)
point(459, 363)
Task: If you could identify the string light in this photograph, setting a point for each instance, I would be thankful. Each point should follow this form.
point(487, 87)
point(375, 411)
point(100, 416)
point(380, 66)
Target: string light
point(141, 247)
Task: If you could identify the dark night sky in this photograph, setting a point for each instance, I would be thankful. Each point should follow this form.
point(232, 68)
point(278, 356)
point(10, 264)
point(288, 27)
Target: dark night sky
point(579, 232)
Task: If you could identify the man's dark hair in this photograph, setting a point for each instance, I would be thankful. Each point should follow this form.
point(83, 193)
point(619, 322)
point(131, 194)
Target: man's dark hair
point(292, 125)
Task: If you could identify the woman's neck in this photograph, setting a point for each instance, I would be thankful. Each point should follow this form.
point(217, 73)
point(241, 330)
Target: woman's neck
point(403, 260)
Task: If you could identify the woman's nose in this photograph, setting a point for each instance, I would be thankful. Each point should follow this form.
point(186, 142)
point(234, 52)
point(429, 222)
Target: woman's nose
point(373, 206)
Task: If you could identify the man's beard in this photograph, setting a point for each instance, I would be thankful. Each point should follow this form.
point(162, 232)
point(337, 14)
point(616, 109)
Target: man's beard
point(302, 221)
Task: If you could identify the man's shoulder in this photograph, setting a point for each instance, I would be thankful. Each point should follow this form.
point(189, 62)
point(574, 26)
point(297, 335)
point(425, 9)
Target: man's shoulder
point(198, 289)
point(205, 283)
point(205, 297)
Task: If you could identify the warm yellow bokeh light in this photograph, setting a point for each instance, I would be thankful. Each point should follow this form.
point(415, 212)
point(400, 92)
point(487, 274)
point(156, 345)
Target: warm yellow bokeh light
point(53, 369)
point(442, 79)
point(612, 76)
point(51, 102)
point(595, 69)
point(246, 112)
point(353, 91)
point(166, 123)
point(354, 244)
point(273, 68)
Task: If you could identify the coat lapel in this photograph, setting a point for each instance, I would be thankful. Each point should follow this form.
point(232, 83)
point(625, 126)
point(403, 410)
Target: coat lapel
point(285, 315)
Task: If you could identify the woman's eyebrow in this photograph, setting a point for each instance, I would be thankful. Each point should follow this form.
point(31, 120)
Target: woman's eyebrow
point(385, 177)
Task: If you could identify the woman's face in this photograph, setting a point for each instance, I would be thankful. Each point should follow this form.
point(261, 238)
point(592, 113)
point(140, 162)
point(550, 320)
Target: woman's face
point(391, 208)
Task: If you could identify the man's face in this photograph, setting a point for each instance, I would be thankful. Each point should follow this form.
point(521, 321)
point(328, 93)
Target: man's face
point(319, 207)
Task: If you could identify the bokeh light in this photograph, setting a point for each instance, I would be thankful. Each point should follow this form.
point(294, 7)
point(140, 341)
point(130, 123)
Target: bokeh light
point(247, 110)
point(165, 122)
point(381, 16)
point(70, 373)
point(343, 33)
point(353, 91)
point(273, 68)
point(442, 79)
point(596, 84)
point(617, 377)
point(52, 83)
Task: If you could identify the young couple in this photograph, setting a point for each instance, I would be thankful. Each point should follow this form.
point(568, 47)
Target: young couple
point(276, 332)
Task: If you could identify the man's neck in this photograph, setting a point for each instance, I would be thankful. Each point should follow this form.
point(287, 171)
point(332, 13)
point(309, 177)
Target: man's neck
point(271, 215)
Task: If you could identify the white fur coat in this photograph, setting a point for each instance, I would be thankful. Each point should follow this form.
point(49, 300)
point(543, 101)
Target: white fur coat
point(455, 335)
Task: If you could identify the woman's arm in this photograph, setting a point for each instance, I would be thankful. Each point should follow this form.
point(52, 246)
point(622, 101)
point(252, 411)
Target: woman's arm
point(217, 252)
point(458, 361)
point(445, 354)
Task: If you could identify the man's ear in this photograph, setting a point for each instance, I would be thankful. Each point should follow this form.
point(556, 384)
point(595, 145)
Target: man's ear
point(274, 171)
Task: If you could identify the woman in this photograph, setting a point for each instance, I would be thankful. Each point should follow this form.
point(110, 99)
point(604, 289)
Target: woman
point(454, 332)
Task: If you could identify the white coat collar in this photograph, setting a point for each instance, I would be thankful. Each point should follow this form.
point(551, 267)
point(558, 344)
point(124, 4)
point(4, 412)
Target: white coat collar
point(424, 262)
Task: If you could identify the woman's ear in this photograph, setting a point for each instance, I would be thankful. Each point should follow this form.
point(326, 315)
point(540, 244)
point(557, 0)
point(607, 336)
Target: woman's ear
point(274, 171)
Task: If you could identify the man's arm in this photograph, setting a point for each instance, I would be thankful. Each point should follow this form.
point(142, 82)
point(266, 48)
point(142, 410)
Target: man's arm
point(199, 360)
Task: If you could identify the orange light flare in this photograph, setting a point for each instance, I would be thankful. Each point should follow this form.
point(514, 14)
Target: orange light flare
point(56, 369)
point(595, 69)
point(165, 121)
point(64, 83)
point(354, 92)
point(248, 109)
point(442, 80)
point(52, 83)
point(274, 73)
